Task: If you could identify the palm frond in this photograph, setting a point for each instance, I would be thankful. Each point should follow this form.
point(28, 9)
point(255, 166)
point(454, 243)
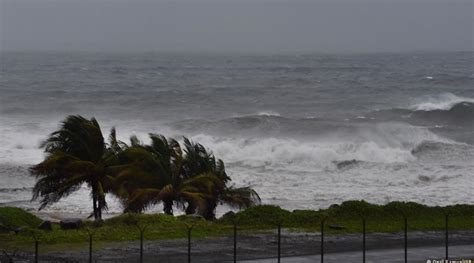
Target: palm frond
point(240, 197)
point(142, 199)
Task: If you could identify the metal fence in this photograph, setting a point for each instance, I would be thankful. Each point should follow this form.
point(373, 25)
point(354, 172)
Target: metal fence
point(189, 227)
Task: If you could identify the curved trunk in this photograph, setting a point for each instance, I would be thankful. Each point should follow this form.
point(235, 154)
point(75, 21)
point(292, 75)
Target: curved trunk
point(99, 210)
point(97, 189)
point(94, 204)
point(190, 209)
point(210, 211)
point(97, 202)
point(168, 207)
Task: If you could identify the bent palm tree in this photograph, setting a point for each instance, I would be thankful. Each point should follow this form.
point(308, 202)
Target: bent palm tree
point(76, 154)
point(199, 161)
point(153, 175)
point(160, 173)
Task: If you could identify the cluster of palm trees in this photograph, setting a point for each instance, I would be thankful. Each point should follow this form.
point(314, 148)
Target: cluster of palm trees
point(186, 176)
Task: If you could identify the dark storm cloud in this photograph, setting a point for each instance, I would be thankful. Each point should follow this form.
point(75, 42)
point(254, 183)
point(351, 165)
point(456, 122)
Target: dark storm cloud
point(233, 25)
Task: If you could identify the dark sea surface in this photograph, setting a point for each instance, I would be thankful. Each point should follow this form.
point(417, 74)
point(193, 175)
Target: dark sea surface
point(305, 131)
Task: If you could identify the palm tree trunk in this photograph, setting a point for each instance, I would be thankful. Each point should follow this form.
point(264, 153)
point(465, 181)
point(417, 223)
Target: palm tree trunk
point(99, 210)
point(190, 209)
point(210, 211)
point(168, 207)
point(94, 202)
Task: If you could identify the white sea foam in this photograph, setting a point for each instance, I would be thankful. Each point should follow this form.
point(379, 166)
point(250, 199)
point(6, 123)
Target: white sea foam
point(444, 101)
point(269, 113)
point(388, 143)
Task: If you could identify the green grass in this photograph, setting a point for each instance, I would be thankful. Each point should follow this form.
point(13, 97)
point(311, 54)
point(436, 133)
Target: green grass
point(379, 218)
point(13, 217)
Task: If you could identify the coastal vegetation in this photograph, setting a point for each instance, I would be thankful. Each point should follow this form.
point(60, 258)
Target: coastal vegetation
point(256, 219)
point(140, 175)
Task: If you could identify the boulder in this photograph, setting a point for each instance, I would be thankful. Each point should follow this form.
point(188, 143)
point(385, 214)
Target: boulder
point(46, 225)
point(346, 164)
point(18, 230)
point(228, 216)
point(70, 224)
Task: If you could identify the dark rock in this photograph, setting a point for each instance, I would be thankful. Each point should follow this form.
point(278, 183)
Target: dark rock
point(70, 224)
point(337, 227)
point(346, 164)
point(46, 225)
point(18, 230)
point(228, 216)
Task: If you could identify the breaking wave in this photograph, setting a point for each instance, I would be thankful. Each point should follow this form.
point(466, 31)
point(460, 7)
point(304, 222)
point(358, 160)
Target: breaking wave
point(458, 111)
point(389, 143)
point(446, 101)
point(447, 152)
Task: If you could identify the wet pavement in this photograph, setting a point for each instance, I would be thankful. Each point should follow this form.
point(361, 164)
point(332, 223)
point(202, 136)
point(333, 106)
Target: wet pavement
point(421, 254)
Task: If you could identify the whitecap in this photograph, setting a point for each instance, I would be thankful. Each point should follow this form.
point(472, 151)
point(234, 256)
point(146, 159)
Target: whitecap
point(444, 101)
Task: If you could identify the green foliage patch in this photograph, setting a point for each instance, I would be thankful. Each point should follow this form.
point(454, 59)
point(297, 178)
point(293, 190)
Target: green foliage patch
point(14, 217)
point(125, 227)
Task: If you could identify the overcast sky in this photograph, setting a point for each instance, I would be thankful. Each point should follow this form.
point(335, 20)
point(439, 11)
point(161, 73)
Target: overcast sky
point(238, 25)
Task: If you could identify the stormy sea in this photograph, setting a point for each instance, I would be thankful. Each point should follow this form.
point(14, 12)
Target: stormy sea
point(306, 131)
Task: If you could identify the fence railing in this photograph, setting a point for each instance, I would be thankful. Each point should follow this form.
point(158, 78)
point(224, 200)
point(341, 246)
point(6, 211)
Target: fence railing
point(189, 227)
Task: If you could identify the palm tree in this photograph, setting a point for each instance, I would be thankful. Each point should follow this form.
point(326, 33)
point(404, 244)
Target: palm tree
point(154, 175)
point(161, 173)
point(198, 162)
point(75, 154)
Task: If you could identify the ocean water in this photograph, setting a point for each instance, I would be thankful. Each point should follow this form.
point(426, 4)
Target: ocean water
point(305, 131)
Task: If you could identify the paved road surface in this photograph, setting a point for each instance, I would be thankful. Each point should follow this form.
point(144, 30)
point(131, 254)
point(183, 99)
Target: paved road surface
point(383, 255)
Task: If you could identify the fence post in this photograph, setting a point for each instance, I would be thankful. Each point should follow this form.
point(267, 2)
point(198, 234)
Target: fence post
point(36, 251)
point(405, 219)
point(322, 240)
point(36, 238)
point(189, 227)
point(189, 245)
point(142, 231)
point(90, 233)
point(279, 242)
point(90, 248)
point(447, 235)
point(141, 247)
point(363, 239)
point(235, 241)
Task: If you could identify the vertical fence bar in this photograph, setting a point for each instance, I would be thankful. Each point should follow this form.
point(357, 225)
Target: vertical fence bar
point(90, 248)
point(279, 242)
point(322, 240)
point(447, 235)
point(235, 242)
point(141, 229)
point(141, 246)
point(363, 239)
point(190, 227)
point(189, 245)
point(406, 239)
point(36, 251)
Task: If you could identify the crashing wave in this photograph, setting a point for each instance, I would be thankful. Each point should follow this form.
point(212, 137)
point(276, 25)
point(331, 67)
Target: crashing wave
point(269, 113)
point(445, 101)
point(460, 114)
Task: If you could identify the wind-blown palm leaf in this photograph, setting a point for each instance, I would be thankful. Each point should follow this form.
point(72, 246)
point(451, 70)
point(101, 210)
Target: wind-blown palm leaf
point(75, 154)
point(243, 197)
